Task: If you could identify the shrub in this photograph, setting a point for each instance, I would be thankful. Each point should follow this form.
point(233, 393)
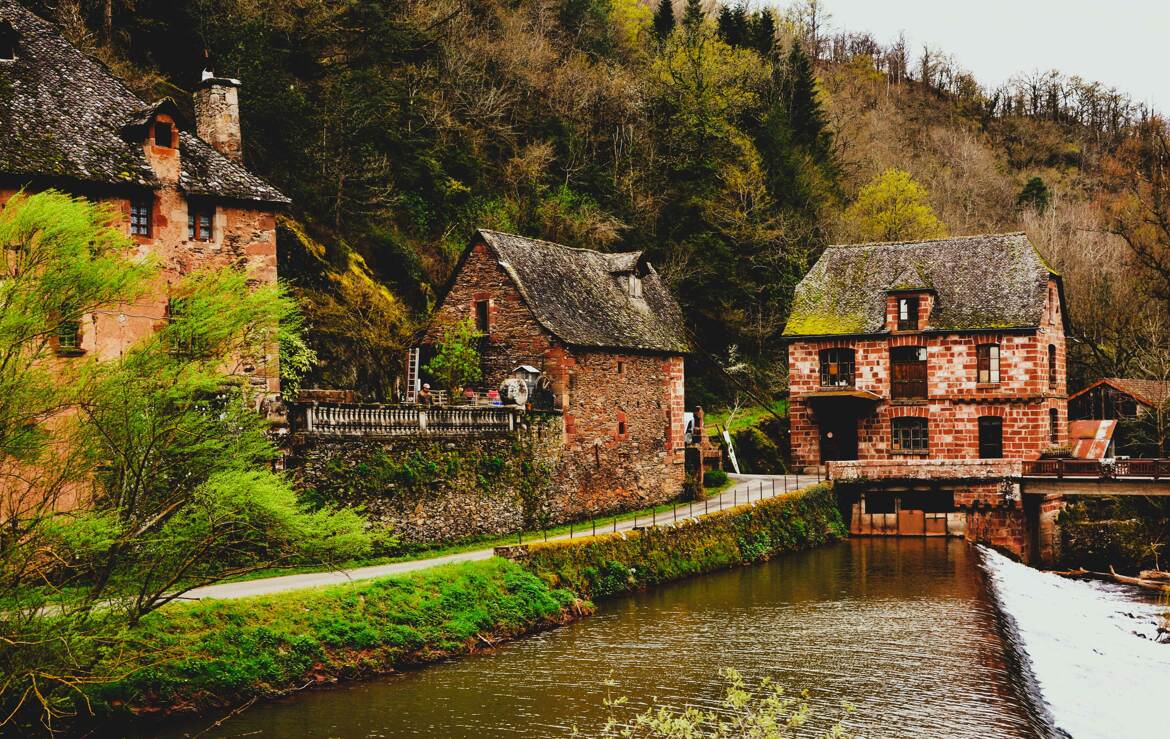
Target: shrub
point(714, 478)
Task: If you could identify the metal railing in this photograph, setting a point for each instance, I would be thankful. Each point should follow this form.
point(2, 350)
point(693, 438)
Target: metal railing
point(1099, 469)
point(343, 420)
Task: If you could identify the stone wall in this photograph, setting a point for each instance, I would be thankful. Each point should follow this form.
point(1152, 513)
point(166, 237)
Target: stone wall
point(1023, 397)
point(429, 489)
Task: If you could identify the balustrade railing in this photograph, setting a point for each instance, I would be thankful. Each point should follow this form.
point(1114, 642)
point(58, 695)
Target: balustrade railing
point(344, 420)
point(1115, 468)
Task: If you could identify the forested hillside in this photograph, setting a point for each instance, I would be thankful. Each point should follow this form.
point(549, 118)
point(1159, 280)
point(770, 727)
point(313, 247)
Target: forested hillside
point(731, 144)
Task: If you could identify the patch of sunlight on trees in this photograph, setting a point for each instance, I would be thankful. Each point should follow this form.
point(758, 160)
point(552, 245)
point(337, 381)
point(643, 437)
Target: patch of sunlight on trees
point(893, 207)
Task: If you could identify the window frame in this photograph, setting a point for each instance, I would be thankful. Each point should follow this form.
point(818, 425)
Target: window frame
point(908, 306)
point(909, 435)
point(919, 387)
point(67, 338)
point(142, 216)
point(988, 364)
point(988, 444)
point(1053, 427)
point(198, 216)
point(634, 286)
point(8, 42)
point(1052, 379)
point(846, 366)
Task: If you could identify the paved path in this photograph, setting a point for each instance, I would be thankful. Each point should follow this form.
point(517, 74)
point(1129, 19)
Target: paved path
point(747, 487)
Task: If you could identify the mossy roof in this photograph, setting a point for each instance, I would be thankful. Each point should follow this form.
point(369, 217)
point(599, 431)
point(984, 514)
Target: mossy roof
point(996, 281)
point(581, 296)
point(64, 115)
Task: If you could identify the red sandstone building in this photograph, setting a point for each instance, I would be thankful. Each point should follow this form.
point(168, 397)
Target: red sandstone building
point(67, 123)
point(921, 364)
point(608, 340)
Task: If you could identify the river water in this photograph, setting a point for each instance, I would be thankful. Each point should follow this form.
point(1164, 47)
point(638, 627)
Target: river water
point(901, 628)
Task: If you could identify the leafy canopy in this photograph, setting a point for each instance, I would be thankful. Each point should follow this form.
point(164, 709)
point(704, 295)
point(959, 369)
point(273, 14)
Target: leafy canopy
point(894, 207)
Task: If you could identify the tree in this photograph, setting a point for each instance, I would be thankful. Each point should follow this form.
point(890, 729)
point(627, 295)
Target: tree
point(1035, 195)
point(693, 15)
point(806, 116)
point(128, 481)
point(664, 19)
point(456, 362)
point(893, 207)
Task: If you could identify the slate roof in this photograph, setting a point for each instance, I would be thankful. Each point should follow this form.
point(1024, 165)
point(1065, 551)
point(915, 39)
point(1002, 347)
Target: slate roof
point(1150, 393)
point(65, 115)
point(581, 295)
point(996, 281)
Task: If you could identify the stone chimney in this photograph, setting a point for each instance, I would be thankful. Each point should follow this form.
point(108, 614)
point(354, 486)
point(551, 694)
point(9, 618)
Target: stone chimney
point(217, 114)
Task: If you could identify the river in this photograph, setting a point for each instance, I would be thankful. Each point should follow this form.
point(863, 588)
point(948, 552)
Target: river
point(901, 628)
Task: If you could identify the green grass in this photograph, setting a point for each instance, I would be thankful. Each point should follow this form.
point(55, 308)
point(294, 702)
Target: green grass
point(467, 545)
point(223, 652)
point(743, 418)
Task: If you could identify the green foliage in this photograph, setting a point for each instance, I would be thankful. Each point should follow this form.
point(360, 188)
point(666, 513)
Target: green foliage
point(456, 362)
point(894, 207)
point(767, 711)
point(714, 478)
point(192, 657)
point(1035, 195)
point(608, 564)
point(757, 452)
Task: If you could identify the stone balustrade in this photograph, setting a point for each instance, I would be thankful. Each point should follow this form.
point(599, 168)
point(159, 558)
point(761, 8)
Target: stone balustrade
point(377, 420)
point(925, 469)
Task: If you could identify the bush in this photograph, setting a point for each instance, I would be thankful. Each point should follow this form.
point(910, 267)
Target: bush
point(757, 453)
point(714, 478)
point(609, 564)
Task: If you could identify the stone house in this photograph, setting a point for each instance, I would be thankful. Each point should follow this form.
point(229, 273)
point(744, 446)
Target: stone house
point(608, 340)
point(1137, 408)
point(67, 122)
point(919, 362)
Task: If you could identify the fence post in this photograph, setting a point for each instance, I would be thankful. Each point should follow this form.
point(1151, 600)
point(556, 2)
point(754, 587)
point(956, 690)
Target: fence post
point(593, 523)
point(570, 528)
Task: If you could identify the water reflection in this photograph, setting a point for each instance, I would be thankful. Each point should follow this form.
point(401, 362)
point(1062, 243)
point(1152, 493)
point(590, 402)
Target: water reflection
point(900, 628)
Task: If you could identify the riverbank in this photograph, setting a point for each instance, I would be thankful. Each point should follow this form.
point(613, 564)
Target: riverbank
point(218, 654)
point(609, 564)
point(210, 655)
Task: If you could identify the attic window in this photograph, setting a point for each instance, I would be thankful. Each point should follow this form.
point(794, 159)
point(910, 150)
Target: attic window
point(163, 134)
point(634, 286)
point(907, 314)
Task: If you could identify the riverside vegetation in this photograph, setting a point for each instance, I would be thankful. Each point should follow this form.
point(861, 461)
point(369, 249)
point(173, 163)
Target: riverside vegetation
point(217, 654)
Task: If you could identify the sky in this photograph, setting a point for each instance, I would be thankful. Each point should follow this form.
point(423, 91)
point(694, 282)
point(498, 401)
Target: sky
point(1121, 43)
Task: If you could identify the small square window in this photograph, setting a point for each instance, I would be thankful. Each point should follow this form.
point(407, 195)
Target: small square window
point(163, 134)
point(199, 222)
point(69, 337)
point(635, 286)
point(621, 428)
point(140, 216)
point(910, 434)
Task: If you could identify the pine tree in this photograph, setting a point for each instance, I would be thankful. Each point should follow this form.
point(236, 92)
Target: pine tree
point(693, 15)
point(763, 33)
point(664, 19)
point(1035, 195)
point(810, 126)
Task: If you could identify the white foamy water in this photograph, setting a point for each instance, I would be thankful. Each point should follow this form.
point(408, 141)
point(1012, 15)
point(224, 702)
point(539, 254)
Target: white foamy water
point(1091, 649)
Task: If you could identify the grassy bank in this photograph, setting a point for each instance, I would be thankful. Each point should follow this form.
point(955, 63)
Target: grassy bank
point(221, 653)
point(609, 564)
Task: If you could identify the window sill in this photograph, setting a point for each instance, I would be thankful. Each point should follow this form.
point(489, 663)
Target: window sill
point(909, 401)
point(910, 453)
point(987, 386)
point(69, 352)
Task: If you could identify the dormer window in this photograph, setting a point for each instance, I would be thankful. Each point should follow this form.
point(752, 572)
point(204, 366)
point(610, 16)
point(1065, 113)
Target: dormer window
point(164, 134)
point(907, 314)
point(7, 43)
point(634, 285)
